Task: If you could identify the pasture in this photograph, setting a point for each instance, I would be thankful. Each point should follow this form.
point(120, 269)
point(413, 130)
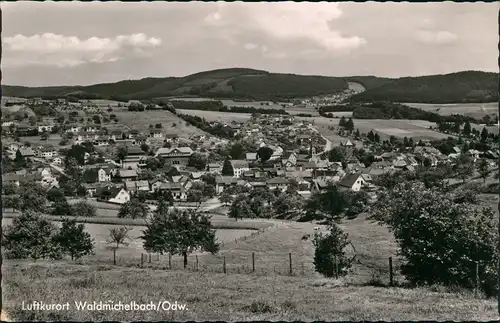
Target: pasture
point(268, 294)
point(475, 110)
point(171, 123)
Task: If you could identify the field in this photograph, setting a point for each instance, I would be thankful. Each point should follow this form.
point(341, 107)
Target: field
point(268, 294)
point(476, 110)
point(53, 140)
point(416, 129)
point(142, 120)
point(256, 104)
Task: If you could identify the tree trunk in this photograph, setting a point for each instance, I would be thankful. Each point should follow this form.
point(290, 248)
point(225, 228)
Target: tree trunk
point(184, 254)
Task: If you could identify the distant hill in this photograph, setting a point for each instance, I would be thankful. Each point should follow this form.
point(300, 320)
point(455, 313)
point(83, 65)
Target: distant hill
point(248, 84)
point(461, 87)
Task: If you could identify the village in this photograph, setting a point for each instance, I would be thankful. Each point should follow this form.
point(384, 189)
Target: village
point(273, 151)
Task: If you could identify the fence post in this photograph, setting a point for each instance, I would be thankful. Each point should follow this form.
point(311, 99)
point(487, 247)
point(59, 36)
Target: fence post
point(114, 257)
point(290, 258)
point(149, 258)
point(169, 260)
point(142, 260)
point(336, 267)
point(224, 265)
point(391, 273)
point(196, 262)
point(477, 279)
point(253, 262)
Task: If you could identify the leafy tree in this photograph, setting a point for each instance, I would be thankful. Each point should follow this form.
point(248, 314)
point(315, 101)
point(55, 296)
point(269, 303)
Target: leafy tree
point(31, 236)
point(225, 198)
point(73, 239)
point(241, 208)
point(194, 195)
point(337, 154)
point(264, 153)
point(9, 189)
point(145, 148)
point(32, 197)
point(237, 151)
point(61, 207)
point(434, 231)
point(483, 169)
point(427, 162)
point(330, 257)
point(330, 203)
point(133, 209)
point(90, 175)
point(179, 232)
point(119, 236)
point(83, 209)
point(376, 137)
point(209, 179)
point(158, 126)
point(197, 161)
point(11, 201)
point(464, 167)
point(227, 168)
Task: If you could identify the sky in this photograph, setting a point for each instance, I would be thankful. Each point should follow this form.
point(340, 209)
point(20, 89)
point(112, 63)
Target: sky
point(80, 43)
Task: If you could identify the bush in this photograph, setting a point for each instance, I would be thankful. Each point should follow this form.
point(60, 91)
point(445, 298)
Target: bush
point(435, 232)
point(83, 209)
point(330, 258)
point(31, 236)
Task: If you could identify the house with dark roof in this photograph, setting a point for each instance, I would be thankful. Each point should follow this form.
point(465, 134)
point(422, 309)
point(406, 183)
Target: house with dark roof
point(175, 156)
point(278, 183)
point(353, 182)
point(223, 182)
point(128, 174)
point(178, 191)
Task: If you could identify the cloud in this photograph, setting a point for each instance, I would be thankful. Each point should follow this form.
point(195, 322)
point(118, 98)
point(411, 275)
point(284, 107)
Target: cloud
point(58, 50)
point(441, 37)
point(285, 22)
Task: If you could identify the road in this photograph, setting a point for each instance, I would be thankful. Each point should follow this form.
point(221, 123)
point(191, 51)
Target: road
point(328, 145)
point(56, 168)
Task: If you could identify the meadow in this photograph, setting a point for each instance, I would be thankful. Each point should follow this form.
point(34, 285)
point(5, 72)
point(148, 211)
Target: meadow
point(270, 293)
point(417, 129)
point(171, 123)
point(475, 110)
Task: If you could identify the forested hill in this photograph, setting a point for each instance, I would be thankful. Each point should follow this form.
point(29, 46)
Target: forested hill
point(251, 84)
point(461, 87)
point(237, 83)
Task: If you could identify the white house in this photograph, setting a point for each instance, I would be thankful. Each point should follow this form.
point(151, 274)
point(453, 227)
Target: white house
point(239, 167)
point(121, 197)
point(104, 175)
point(57, 161)
point(45, 127)
point(354, 182)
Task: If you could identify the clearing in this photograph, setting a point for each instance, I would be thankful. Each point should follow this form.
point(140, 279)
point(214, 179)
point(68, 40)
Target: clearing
point(475, 110)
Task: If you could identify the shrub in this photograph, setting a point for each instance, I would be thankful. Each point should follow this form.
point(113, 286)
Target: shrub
point(441, 240)
point(31, 236)
point(329, 256)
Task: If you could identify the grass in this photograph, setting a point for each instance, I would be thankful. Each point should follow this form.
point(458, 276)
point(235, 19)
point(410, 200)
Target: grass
point(223, 297)
point(268, 294)
point(476, 110)
point(417, 129)
point(141, 121)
